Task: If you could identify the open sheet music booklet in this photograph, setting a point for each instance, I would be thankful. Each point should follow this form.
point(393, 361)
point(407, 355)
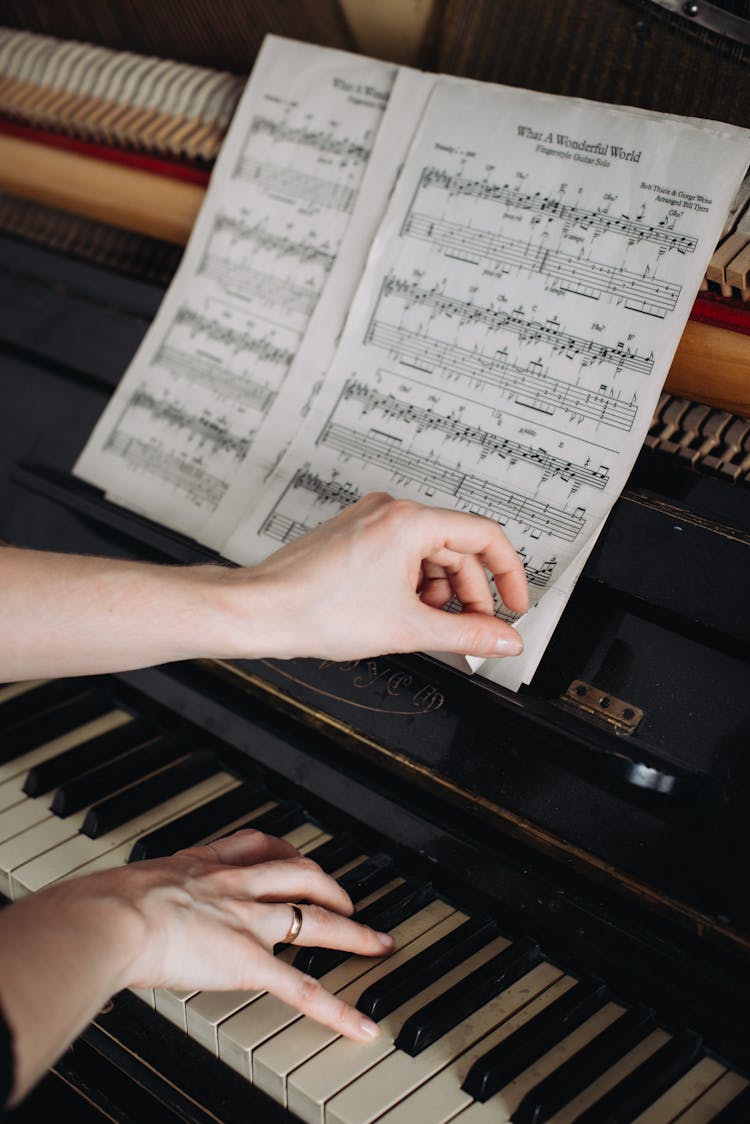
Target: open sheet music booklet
point(459, 292)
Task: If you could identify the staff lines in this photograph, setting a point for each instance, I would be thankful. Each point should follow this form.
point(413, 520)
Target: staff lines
point(265, 239)
point(384, 372)
point(637, 292)
point(541, 391)
point(498, 320)
point(489, 444)
point(569, 213)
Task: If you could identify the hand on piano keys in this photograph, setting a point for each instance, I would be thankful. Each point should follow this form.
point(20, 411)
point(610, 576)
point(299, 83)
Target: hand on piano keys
point(474, 1024)
point(207, 917)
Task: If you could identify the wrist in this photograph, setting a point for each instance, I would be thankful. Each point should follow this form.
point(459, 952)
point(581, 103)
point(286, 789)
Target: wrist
point(247, 618)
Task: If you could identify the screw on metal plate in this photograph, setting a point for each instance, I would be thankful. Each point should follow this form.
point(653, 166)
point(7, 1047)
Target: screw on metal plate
point(621, 716)
point(690, 9)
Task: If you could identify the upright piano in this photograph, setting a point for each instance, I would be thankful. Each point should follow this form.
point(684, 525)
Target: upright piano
point(564, 867)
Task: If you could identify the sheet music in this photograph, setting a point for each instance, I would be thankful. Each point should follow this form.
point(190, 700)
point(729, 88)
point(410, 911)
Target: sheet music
point(307, 371)
point(282, 195)
point(510, 336)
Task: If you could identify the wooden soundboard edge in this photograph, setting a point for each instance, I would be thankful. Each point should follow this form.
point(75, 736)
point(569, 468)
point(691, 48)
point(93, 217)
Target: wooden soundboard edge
point(711, 365)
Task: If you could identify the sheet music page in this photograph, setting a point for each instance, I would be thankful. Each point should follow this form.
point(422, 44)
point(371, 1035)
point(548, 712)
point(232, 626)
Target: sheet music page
point(307, 371)
point(185, 415)
point(513, 328)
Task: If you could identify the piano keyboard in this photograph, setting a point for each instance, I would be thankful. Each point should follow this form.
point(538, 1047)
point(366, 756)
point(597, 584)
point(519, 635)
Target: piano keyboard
point(476, 1024)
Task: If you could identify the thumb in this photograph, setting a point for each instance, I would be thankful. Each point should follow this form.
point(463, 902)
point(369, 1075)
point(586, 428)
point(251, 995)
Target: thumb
point(469, 634)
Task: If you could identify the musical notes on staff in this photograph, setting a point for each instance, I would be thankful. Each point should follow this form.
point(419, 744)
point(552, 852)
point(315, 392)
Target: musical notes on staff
point(332, 496)
point(296, 187)
point(572, 216)
point(530, 386)
point(256, 287)
point(324, 140)
point(470, 491)
point(550, 332)
point(260, 238)
point(564, 272)
point(212, 435)
point(488, 444)
point(262, 252)
point(195, 482)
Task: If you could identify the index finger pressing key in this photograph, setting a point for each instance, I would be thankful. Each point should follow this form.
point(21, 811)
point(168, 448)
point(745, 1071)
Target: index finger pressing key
point(311, 998)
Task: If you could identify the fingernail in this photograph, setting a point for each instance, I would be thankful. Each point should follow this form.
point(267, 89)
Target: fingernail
point(369, 1029)
point(509, 646)
point(385, 939)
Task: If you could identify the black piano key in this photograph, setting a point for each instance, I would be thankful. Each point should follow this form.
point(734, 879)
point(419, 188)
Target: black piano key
point(149, 793)
point(87, 755)
point(737, 1111)
point(647, 1083)
point(440, 1015)
point(277, 821)
point(384, 914)
point(503, 1062)
point(367, 877)
point(335, 852)
point(579, 1072)
point(199, 823)
point(389, 992)
point(53, 723)
point(31, 704)
point(125, 770)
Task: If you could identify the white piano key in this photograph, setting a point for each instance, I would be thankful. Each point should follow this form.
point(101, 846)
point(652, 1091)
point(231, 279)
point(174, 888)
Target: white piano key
point(398, 1075)
point(11, 792)
point(442, 1097)
point(326, 1074)
point(278, 1057)
point(207, 1010)
point(248, 1029)
point(612, 1077)
point(172, 1003)
point(21, 816)
point(715, 1098)
point(102, 725)
point(702, 1076)
point(50, 833)
point(499, 1109)
point(306, 833)
point(10, 690)
point(76, 853)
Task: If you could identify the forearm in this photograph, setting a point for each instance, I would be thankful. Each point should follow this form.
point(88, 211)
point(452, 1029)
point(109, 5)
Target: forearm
point(369, 582)
point(62, 956)
point(71, 615)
